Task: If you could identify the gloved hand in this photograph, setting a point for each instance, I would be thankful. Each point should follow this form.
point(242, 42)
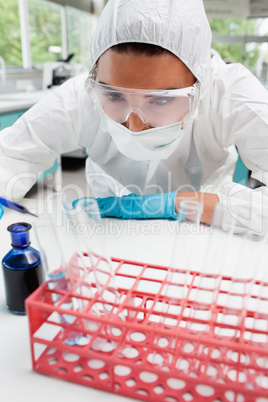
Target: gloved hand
point(2, 209)
point(133, 206)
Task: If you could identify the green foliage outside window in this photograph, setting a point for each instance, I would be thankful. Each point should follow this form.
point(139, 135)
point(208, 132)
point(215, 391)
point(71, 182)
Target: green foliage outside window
point(45, 30)
point(247, 53)
point(10, 41)
point(79, 28)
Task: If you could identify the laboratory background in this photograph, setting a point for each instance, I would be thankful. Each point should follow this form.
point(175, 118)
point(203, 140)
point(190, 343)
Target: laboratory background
point(112, 331)
point(43, 43)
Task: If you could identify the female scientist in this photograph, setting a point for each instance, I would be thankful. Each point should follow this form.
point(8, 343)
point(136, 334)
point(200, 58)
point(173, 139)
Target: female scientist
point(160, 119)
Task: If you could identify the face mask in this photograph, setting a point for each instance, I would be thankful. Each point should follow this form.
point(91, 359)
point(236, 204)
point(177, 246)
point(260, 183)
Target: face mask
point(156, 143)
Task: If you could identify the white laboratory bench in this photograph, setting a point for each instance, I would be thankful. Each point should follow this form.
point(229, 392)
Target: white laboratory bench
point(17, 380)
point(146, 241)
point(17, 101)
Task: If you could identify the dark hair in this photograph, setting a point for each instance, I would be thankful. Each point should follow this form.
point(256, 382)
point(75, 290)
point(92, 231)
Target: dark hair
point(140, 48)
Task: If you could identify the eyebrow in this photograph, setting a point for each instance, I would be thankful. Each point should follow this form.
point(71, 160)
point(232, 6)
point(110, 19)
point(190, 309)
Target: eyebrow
point(104, 83)
point(165, 89)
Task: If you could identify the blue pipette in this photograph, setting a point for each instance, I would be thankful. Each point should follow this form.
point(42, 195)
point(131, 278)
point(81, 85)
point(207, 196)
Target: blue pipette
point(15, 206)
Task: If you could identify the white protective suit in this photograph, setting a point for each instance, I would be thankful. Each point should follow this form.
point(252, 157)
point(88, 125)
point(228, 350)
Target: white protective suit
point(232, 111)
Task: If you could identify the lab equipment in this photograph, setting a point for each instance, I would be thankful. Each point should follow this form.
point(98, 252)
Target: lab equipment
point(75, 231)
point(259, 320)
point(56, 73)
point(177, 323)
point(202, 366)
point(2, 210)
point(16, 207)
point(186, 253)
point(22, 268)
point(67, 255)
point(154, 107)
point(253, 252)
point(55, 266)
point(133, 206)
point(99, 282)
point(87, 213)
point(175, 283)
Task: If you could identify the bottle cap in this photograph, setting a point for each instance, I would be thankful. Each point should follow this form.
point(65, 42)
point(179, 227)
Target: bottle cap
point(19, 234)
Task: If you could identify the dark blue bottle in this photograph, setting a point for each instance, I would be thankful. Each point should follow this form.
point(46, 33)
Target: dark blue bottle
point(22, 268)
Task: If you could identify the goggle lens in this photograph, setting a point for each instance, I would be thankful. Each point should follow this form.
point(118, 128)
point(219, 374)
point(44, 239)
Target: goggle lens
point(155, 107)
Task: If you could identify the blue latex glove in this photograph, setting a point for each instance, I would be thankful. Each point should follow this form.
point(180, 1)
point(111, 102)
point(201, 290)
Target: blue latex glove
point(2, 209)
point(133, 206)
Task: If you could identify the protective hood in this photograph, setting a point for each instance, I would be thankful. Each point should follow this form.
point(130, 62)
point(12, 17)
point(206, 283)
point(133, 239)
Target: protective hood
point(180, 26)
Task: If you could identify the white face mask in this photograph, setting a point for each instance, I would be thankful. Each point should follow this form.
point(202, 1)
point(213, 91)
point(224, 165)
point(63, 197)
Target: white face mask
point(156, 143)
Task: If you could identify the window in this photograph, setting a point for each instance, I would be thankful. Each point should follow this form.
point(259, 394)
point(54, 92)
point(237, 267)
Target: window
point(45, 30)
point(54, 32)
point(241, 40)
point(10, 40)
point(80, 27)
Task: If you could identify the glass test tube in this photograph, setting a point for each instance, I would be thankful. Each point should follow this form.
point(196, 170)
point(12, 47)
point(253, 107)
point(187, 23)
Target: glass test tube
point(186, 253)
point(78, 227)
point(87, 213)
point(174, 295)
point(100, 274)
point(60, 211)
point(54, 263)
point(257, 295)
point(239, 266)
point(243, 295)
point(216, 242)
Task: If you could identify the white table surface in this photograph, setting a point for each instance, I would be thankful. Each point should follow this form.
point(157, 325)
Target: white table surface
point(12, 102)
point(148, 241)
point(17, 380)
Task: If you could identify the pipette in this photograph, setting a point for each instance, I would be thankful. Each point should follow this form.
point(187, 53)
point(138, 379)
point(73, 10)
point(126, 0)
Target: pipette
point(15, 206)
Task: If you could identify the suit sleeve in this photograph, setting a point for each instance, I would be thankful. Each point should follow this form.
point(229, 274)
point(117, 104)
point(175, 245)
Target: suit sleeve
point(32, 143)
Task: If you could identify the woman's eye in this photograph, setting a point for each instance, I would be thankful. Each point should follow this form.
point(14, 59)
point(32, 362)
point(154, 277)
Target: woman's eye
point(114, 96)
point(163, 101)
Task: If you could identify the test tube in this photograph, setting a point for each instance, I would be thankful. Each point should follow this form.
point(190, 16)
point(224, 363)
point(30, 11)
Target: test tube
point(87, 213)
point(100, 275)
point(89, 267)
point(173, 300)
point(54, 262)
point(240, 268)
point(61, 212)
point(257, 300)
point(206, 284)
point(186, 253)
point(243, 315)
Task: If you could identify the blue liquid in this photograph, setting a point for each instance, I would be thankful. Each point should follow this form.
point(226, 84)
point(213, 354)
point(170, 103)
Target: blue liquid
point(58, 281)
point(22, 269)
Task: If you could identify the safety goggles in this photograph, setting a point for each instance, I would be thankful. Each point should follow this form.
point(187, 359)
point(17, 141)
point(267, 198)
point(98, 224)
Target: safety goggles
point(155, 107)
